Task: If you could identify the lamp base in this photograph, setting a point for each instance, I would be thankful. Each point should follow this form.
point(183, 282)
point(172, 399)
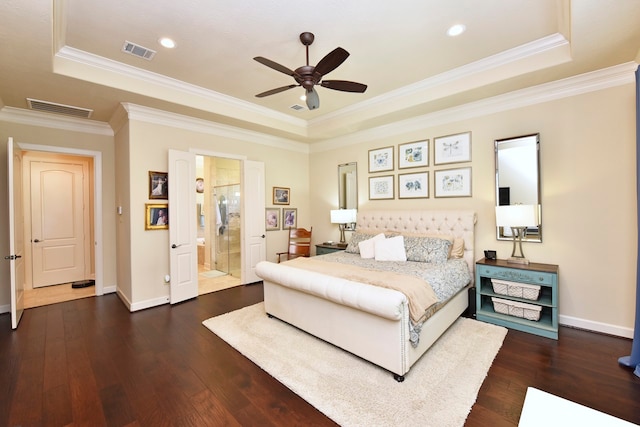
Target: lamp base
point(517, 260)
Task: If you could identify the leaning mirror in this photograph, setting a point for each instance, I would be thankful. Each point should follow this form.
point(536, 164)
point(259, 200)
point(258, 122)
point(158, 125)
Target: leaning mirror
point(348, 186)
point(518, 179)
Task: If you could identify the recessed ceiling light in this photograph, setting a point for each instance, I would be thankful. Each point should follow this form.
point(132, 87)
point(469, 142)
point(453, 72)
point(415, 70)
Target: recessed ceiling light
point(456, 30)
point(167, 42)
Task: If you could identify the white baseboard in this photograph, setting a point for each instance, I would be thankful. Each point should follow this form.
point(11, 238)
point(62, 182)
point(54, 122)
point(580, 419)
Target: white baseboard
point(143, 304)
point(5, 308)
point(590, 325)
point(109, 289)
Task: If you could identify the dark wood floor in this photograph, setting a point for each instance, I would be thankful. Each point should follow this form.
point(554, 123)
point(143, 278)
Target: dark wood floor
point(90, 362)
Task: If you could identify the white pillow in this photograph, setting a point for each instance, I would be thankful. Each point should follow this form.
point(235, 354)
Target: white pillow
point(368, 247)
point(391, 249)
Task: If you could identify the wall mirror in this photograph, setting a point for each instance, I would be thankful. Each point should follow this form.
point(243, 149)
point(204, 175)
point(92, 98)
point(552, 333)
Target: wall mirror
point(518, 179)
point(348, 186)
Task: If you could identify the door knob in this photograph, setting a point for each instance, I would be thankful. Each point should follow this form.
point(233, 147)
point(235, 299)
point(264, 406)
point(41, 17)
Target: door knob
point(36, 241)
point(175, 246)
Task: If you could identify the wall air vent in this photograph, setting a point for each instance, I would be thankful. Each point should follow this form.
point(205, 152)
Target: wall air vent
point(52, 107)
point(297, 107)
point(137, 50)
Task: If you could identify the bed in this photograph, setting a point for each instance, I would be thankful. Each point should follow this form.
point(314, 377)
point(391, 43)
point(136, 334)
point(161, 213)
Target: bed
point(375, 321)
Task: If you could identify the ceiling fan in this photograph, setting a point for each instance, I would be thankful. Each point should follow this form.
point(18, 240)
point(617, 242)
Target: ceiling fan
point(308, 76)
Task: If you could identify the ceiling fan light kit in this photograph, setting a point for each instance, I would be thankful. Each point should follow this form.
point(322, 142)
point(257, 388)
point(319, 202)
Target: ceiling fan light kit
point(309, 76)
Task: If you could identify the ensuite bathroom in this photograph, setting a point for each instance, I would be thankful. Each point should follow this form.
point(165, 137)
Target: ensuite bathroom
point(218, 218)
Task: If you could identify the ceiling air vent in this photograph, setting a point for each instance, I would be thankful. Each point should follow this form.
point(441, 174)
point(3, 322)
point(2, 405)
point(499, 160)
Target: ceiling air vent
point(137, 50)
point(297, 107)
point(52, 107)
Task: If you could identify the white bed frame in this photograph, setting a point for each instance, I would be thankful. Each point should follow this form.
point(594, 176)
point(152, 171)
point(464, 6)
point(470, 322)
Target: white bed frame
point(368, 321)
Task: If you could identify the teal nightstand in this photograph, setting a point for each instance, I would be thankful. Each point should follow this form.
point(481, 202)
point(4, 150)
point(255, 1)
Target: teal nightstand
point(543, 275)
point(327, 248)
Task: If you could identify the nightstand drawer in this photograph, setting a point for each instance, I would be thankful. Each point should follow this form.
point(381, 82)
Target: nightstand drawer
point(328, 248)
point(515, 275)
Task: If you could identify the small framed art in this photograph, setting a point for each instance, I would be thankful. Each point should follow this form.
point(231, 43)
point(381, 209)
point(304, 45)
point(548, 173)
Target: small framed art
point(381, 159)
point(272, 219)
point(453, 182)
point(413, 154)
point(158, 185)
point(289, 218)
point(281, 195)
point(381, 187)
point(452, 148)
point(156, 216)
point(413, 185)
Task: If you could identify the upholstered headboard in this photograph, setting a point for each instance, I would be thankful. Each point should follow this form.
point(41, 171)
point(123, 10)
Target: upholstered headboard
point(457, 223)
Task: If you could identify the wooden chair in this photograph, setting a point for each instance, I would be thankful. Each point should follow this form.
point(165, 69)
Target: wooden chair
point(299, 243)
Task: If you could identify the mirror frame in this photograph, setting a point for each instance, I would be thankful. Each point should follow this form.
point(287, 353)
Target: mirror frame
point(342, 170)
point(534, 234)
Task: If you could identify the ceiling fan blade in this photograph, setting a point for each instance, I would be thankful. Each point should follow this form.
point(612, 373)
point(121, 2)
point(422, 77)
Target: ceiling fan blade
point(269, 63)
point(344, 85)
point(276, 90)
point(330, 62)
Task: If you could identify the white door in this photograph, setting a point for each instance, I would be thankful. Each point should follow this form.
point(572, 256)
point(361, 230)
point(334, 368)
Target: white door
point(16, 231)
point(183, 256)
point(253, 202)
point(59, 222)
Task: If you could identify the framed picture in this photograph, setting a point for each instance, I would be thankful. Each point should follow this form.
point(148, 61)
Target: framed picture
point(413, 154)
point(413, 185)
point(453, 182)
point(381, 187)
point(158, 185)
point(289, 218)
point(381, 159)
point(272, 219)
point(156, 216)
point(452, 148)
point(281, 195)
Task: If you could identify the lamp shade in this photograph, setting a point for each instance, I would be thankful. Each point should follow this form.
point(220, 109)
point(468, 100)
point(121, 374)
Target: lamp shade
point(517, 216)
point(343, 216)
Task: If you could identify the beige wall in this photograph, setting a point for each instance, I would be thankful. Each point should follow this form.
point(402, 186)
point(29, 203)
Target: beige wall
point(588, 175)
point(29, 134)
point(147, 148)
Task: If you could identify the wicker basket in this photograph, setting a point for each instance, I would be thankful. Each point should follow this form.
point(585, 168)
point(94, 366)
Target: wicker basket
point(516, 309)
point(513, 289)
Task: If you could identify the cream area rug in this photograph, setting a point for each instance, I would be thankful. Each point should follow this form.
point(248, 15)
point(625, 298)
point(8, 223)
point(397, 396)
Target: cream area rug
point(439, 390)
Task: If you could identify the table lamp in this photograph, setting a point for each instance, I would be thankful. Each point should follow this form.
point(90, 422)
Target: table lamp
point(342, 217)
point(518, 218)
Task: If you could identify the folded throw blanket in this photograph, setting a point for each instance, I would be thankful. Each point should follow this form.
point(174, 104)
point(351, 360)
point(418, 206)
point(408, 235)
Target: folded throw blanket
point(419, 293)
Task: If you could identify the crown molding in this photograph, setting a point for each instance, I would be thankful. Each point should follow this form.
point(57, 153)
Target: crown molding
point(544, 52)
point(160, 117)
point(565, 88)
point(54, 121)
point(86, 66)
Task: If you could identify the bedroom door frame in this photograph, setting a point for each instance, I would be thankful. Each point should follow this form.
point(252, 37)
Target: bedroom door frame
point(97, 202)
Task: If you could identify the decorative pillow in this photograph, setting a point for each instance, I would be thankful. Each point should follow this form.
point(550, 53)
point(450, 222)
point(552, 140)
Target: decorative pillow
point(427, 249)
point(368, 247)
point(391, 249)
point(359, 236)
point(356, 238)
point(457, 249)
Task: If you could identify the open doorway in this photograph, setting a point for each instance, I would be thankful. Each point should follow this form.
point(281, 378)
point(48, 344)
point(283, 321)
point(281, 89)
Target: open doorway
point(219, 223)
point(59, 227)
